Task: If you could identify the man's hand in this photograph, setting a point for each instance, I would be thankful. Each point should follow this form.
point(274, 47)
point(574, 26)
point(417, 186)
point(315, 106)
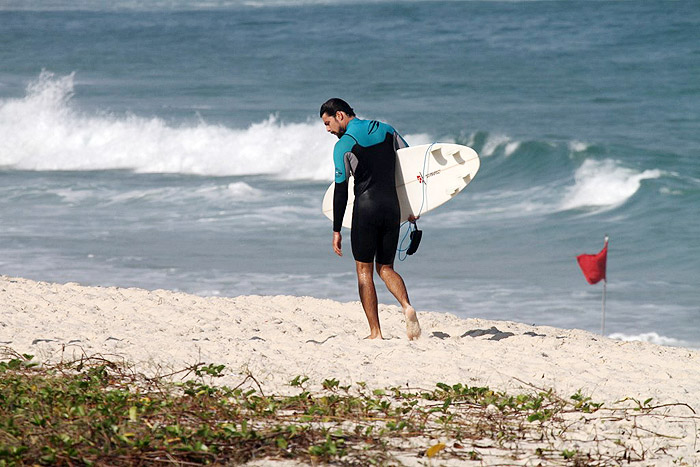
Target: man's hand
point(337, 239)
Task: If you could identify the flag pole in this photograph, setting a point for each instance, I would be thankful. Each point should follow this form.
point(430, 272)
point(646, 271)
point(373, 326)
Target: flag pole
point(602, 323)
point(605, 286)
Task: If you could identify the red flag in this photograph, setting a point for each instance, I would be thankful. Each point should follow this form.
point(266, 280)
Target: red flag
point(593, 266)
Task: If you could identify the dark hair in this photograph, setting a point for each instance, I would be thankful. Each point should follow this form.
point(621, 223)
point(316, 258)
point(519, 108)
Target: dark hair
point(334, 105)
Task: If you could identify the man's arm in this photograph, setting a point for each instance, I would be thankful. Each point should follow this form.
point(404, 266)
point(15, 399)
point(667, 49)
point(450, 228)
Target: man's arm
point(340, 203)
point(340, 192)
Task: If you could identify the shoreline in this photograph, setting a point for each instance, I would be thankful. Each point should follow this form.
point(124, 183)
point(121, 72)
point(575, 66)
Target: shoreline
point(280, 337)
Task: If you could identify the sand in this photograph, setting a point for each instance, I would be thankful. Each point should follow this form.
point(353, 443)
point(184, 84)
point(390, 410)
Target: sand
point(276, 338)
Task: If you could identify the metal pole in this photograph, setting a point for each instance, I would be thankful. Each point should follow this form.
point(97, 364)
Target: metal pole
point(602, 323)
point(605, 286)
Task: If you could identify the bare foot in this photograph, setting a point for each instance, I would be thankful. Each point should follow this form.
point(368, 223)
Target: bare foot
point(412, 326)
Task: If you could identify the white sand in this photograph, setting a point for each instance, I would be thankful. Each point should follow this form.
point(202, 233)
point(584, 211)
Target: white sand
point(278, 338)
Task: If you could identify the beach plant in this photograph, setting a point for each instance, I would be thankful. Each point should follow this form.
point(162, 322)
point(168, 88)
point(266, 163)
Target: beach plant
point(94, 411)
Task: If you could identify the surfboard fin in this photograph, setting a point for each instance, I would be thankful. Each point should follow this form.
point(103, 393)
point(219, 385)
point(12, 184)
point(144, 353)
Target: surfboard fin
point(449, 191)
point(460, 183)
point(441, 154)
point(458, 157)
point(438, 156)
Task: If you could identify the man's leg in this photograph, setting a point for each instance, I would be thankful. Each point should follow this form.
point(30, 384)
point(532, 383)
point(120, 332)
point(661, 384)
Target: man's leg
point(394, 282)
point(368, 297)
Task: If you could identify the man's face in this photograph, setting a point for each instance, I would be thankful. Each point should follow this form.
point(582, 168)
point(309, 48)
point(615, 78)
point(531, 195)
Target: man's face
point(335, 124)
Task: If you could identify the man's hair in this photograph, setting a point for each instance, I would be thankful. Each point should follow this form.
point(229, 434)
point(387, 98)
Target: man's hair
point(334, 105)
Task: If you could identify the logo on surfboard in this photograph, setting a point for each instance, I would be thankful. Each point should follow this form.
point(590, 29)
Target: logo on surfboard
point(421, 178)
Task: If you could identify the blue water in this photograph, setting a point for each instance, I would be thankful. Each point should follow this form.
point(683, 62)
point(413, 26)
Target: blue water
point(176, 144)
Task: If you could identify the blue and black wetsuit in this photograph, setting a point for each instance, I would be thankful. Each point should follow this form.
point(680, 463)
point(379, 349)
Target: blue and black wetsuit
point(367, 150)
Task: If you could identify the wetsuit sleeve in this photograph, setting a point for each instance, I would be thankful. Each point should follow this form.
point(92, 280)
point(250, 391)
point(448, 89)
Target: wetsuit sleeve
point(340, 202)
point(342, 172)
point(342, 147)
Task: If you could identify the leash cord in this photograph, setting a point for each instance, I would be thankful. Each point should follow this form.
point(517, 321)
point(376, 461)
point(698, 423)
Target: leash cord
point(401, 249)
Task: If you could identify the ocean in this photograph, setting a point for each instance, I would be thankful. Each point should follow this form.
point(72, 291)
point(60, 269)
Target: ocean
point(177, 145)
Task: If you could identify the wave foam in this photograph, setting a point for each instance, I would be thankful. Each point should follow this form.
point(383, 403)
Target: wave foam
point(604, 184)
point(578, 146)
point(243, 190)
point(494, 142)
point(210, 194)
point(651, 337)
point(43, 131)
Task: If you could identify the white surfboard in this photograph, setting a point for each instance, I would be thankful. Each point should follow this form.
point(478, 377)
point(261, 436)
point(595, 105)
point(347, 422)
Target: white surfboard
point(427, 176)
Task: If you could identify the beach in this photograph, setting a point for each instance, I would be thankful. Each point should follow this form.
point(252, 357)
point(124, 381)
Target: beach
point(277, 338)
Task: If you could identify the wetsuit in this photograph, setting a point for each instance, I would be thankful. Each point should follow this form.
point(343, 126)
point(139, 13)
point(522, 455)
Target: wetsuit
point(367, 151)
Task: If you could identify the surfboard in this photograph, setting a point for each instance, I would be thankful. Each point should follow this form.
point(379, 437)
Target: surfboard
point(427, 176)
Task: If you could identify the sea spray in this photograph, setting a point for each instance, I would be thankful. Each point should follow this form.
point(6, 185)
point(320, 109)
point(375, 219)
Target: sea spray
point(604, 184)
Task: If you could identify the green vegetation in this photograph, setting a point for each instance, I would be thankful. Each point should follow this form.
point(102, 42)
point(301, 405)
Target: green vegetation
point(94, 411)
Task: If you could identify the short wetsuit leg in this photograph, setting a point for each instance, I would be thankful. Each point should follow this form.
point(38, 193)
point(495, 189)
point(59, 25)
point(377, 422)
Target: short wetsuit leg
point(363, 245)
point(375, 230)
point(386, 246)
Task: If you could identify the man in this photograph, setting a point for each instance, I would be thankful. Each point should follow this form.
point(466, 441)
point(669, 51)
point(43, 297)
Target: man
point(367, 150)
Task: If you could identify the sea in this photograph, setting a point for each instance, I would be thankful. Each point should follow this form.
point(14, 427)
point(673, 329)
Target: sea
point(176, 144)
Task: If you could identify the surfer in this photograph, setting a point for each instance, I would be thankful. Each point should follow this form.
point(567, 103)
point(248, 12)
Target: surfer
point(367, 150)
